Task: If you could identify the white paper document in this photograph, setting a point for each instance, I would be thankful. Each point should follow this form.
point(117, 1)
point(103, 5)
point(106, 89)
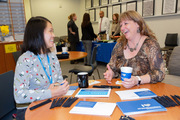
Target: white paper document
point(71, 90)
point(118, 82)
point(93, 92)
point(92, 82)
point(135, 94)
point(93, 108)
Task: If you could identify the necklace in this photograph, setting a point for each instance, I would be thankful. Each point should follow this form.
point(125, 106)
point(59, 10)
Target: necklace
point(133, 49)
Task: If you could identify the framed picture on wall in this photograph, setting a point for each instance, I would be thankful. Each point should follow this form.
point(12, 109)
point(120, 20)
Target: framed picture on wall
point(105, 10)
point(115, 1)
point(95, 3)
point(178, 7)
point(88, 4)
point(169, 6)
point(148, 7)
point(97, 14)
point(104, 2)
point(116, 9)
point(92, 13)
point(131, 6)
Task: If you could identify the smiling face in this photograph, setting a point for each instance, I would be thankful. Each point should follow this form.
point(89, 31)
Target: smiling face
point(49, 35)
point(129, 28)
point(114, 18)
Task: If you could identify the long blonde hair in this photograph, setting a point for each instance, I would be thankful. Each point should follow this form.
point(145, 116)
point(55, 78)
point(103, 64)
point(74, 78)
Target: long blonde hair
point(70, 17)
point(143, 27)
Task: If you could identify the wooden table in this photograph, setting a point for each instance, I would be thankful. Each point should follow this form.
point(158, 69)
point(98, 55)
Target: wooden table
point(44, 113)
point(73, 55)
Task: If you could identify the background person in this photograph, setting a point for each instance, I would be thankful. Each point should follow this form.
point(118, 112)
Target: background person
point(73, 34)
point(137, 48)
point(87, 36)
point(103, 24)
point(115, 29)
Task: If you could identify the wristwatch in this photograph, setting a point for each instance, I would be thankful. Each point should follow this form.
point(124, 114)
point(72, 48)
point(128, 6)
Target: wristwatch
point(139, 80)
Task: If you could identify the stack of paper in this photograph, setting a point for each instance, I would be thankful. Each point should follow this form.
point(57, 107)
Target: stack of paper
point(93, 108)
point(89, 92)
point(140, 106)
point(135, 94)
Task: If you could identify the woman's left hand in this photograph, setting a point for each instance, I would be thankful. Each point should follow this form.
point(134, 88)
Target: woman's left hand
point(129, 83)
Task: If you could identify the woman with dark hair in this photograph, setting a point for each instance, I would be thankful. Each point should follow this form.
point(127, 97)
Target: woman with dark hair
point(137, 48)
point(87, 36)
point(38, 69)
point(73, 34)
point(115, 29)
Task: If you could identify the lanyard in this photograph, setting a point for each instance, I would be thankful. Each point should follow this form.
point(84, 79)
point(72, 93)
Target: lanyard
point(50, 70)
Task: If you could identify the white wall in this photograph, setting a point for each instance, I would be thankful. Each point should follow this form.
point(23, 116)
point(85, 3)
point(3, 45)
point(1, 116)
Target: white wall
point(27, 8)
point(57, 11)
point(51, 9)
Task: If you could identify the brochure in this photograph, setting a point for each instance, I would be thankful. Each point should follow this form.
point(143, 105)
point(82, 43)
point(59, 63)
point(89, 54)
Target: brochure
point(135, 94)
point(140, 106)
point(93, 108)
point(91, 92)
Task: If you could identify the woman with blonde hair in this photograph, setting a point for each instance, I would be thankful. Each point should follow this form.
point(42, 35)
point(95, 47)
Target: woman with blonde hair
point(73, 34)
point(115, 29)
point(137, 48)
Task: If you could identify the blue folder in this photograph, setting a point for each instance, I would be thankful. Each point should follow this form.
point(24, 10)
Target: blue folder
point(140, 106)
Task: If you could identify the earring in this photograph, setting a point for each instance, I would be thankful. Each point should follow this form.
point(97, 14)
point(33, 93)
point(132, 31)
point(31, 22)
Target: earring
point(138, 31)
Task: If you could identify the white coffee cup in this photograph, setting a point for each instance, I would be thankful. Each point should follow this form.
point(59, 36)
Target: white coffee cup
point(64, 49)
point(126, 72)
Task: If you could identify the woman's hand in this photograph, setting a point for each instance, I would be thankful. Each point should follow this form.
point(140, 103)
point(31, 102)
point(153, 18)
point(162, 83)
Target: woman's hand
point(73, 33)
point(108, 75)
point(98, 38)
point(59, 90)
point(129, 83)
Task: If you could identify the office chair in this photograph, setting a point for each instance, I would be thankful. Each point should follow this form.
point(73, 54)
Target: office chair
point(170, 42)
point(88, 69)
point(7, 103)
point(174, 64)
point(16, 55)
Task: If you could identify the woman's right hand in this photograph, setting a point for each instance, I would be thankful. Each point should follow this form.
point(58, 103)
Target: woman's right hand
point(59, 90)
point(108, 75)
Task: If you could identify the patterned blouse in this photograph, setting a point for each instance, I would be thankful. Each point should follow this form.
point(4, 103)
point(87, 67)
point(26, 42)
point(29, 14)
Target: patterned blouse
point(147, 61)
point(30, 81)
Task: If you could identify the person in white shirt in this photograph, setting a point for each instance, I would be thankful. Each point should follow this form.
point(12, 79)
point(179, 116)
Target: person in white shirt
point(103, 24)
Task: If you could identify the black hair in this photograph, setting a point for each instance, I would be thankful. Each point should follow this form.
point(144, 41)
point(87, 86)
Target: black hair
point(34, 35)
point(86, 20)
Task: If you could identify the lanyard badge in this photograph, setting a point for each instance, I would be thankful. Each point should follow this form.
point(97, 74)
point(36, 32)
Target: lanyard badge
point(50, 70)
